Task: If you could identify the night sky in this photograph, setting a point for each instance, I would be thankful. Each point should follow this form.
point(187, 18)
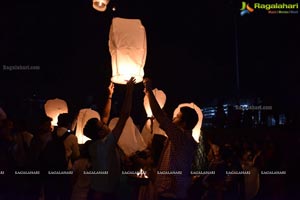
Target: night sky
point(191, 50)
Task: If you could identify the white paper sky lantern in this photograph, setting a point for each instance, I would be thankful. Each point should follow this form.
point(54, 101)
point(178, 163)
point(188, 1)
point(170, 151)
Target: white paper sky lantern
point(128, 49)
point(82, 118)
point(148, 133)
point(55, 107)
point(197, 128)
point(131, 139)
point(160, 97)
point(100, 5)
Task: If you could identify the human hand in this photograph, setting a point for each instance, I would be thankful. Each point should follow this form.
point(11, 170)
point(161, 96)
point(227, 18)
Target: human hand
point(147, 84)
point(130, 82)
point(111, 88)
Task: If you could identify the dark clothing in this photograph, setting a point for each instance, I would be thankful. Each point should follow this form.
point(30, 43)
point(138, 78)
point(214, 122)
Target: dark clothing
point(176, 159)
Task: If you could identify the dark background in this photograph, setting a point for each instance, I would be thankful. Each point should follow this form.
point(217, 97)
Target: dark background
point(192, 52)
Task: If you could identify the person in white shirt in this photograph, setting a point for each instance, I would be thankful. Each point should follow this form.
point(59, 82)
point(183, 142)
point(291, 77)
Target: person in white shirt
point(71, 142)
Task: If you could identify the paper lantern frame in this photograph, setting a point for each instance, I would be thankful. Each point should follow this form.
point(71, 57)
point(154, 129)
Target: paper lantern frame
point(130, 140)
point(128, 48)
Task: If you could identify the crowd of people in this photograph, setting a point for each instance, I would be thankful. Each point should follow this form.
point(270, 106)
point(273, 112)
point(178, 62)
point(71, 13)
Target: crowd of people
point(176, 166)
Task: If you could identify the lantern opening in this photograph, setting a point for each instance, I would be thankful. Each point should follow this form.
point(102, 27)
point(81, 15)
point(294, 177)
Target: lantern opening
point(122, 79)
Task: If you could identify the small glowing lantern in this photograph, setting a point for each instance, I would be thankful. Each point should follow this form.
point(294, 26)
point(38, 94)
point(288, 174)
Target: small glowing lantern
point(197, 128)
point(128, 49)
point(82, 118)
point(100, 5)
point(130, 140)
point(55, 107)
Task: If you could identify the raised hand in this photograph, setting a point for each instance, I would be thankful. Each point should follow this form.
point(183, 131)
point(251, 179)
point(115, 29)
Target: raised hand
point(111, 88)
point(147, 84)
point(131, 82)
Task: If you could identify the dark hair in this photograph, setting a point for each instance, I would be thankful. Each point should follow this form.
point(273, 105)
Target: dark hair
point(189, 116)
point(64, 120)
point(91, 128)
point(84, 149)
point(43, 119)
point(42, 124)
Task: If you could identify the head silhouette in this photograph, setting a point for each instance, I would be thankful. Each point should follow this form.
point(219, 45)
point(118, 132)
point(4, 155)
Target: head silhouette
point(64, 120)
point(187, 118)
point(95, 129)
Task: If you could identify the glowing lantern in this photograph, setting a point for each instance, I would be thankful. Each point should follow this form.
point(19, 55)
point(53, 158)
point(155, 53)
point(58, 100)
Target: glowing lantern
point(130, 140)
point(197, 128)
point(128, 49)
point(82, 118)
point(100, 5)
point(160, 97)
point(55, 107)
point(151, 126)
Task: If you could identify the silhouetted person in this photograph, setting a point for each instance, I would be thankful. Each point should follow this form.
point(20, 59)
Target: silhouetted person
point(42, 135)
point(247, 119)
point(178, 152)
point(59, 186)
point(157, 146)
point(7, 161)
point(220, 117)
point(233, 117)
point(81, 182)
point(103, 151)
point(71, 142)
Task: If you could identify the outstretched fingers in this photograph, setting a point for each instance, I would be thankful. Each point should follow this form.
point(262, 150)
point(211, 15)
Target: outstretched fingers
point(131, 81)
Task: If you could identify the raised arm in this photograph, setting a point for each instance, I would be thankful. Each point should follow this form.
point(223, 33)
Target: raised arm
point(158, 113)
point(125, 111)
point(106, 112)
